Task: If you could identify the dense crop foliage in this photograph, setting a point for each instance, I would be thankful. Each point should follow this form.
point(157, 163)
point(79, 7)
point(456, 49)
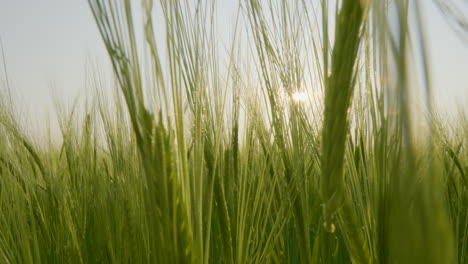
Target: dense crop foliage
point(297, 142)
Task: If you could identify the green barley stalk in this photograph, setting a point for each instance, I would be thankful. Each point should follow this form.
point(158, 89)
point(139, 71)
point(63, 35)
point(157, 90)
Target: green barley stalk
point(339, 89)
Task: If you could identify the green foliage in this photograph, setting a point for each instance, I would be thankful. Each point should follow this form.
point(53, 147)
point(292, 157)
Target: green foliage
point(200, 161)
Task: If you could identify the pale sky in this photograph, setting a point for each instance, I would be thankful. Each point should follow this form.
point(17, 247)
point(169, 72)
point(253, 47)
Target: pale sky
point(47, 43)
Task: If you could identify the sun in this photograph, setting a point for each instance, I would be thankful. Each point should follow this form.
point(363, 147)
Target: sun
point(299, 97)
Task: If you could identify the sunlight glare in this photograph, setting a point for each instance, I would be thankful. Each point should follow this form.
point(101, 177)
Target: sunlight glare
point(299, 96)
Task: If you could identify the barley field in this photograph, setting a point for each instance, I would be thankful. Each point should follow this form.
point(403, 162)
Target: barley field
point(311, 136)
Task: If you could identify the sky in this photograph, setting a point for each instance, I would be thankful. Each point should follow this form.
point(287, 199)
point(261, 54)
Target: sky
point(47, 44)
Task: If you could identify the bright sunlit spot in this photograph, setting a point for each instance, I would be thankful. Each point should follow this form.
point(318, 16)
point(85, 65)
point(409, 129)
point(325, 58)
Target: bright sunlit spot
point(299, 97)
